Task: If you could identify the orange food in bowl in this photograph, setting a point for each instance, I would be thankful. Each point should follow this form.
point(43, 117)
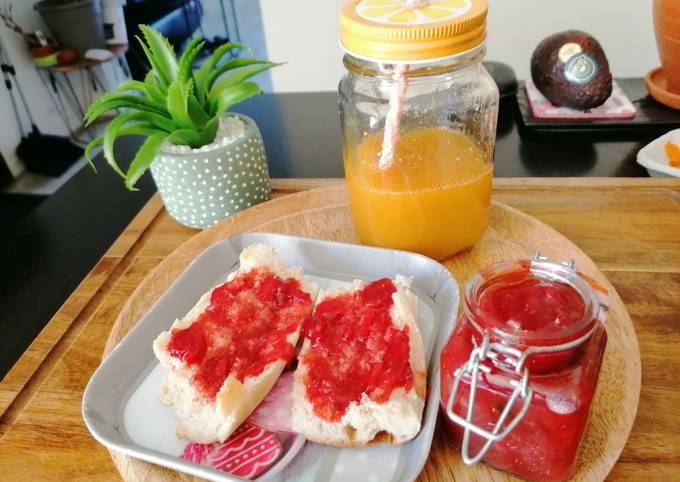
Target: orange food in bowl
point(673, 153)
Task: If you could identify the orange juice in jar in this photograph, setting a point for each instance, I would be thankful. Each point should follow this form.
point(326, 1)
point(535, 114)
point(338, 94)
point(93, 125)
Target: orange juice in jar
point(419, 120)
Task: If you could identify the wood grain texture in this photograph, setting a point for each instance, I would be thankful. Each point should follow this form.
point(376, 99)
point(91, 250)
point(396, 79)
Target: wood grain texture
point(47, 347)
point(44, 437)
point(511, 234)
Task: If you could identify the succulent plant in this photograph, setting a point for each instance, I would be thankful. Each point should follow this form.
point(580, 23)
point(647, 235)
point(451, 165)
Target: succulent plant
point(174, 103)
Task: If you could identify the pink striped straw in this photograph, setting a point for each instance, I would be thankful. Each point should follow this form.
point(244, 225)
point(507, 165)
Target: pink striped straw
point(394, 114)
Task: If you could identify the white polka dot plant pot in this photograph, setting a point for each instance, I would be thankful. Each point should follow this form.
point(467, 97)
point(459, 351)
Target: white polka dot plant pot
point(202, 188)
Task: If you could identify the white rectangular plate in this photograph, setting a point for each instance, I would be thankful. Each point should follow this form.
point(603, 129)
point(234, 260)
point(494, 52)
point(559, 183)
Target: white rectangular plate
point(122, 412)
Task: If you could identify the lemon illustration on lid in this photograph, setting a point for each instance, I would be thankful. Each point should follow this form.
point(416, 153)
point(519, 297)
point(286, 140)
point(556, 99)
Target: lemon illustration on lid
point(412, 30)
point(412, 12)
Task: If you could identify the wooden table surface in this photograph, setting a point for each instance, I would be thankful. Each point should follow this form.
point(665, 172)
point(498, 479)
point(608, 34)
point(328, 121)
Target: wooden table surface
point(629, 227)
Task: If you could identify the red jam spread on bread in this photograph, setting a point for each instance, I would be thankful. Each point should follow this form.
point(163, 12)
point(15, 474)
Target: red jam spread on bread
point(243, 329)
point(355, 349)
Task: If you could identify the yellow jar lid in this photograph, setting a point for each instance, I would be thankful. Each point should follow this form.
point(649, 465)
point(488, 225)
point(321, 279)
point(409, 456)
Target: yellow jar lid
point(412, 30)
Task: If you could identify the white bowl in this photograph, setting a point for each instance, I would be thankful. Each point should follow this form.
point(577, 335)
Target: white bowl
point(654, 158)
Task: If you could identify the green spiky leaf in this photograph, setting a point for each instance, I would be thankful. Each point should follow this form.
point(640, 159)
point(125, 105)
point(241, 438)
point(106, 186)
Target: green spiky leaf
point(234, 79)
point(186, 61)
point(110, 136)
point(143, 159)
point(153, 89)
point(132, 85)
point(232, 95)
point(114, 100)
point(88, 150)
point(158, 72)
point(210, 131)
point(231, 65)
point(202, 75)
point(158, 121)
point(186, 137)
point(117, 125)
point(152, 83)
point(178, 103)
point(197, 113)
point(162, 53)
point(139, 129)
point(193, 138)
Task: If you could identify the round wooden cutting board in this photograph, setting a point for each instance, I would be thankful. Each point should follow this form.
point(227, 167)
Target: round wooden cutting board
point(324, 214)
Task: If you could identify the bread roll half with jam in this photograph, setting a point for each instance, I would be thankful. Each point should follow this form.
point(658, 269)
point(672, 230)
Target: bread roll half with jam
point(361, 372)
point(225, 355)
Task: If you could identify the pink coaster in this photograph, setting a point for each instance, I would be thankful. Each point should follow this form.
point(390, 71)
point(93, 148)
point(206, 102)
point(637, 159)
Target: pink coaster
point(618, 106)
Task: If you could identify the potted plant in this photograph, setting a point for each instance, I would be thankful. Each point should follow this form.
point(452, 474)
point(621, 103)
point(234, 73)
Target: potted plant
point(207, 163)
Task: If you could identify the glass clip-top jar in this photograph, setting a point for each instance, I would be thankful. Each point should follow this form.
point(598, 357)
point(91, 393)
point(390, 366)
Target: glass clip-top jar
point(520, 370)
point(418, 113)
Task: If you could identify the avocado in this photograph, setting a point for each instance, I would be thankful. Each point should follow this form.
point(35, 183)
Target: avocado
point(570, 69)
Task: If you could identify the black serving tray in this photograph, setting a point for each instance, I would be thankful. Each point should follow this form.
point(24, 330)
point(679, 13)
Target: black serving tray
point(651, 118)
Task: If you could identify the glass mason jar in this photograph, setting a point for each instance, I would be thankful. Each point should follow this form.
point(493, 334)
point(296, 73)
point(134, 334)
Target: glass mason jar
point(418, 125)
point(519, 373)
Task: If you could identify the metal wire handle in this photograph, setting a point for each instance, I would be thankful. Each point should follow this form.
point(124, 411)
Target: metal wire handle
point(521, 391)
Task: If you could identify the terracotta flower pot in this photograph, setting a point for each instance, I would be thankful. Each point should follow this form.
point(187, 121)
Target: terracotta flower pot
point(667, 28)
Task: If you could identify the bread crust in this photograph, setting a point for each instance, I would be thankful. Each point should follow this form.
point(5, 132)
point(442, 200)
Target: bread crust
point(203, 420)
point(365, 423)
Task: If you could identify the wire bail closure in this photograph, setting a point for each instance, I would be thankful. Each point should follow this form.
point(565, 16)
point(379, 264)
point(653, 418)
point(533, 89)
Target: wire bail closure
point(508, 359)
point(521, 391)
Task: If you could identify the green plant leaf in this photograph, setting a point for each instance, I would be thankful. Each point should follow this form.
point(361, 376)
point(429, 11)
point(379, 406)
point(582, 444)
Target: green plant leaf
point(157, 69)
point(114, 100)
point(143, 159)
point(234, 79)
point(159, 122)
point(234, 94)
point(162, 53)
point(88, 150)
point(202, 75)
point(133, 85)
point(198, 115)
point(210, 131)
point(220, 52)
point(178, 103)
point(151, 81)
point(194, 138)
point(186, 61)
point(141, 128)
point(186, 137)
point(110, 136)
point(230, 65)
point(115, 127)
point(153, 89)
point(138, 129)
point(153, 94)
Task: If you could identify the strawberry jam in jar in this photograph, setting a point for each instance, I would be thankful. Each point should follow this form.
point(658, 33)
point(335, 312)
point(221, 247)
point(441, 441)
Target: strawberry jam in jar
point(519, 373)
